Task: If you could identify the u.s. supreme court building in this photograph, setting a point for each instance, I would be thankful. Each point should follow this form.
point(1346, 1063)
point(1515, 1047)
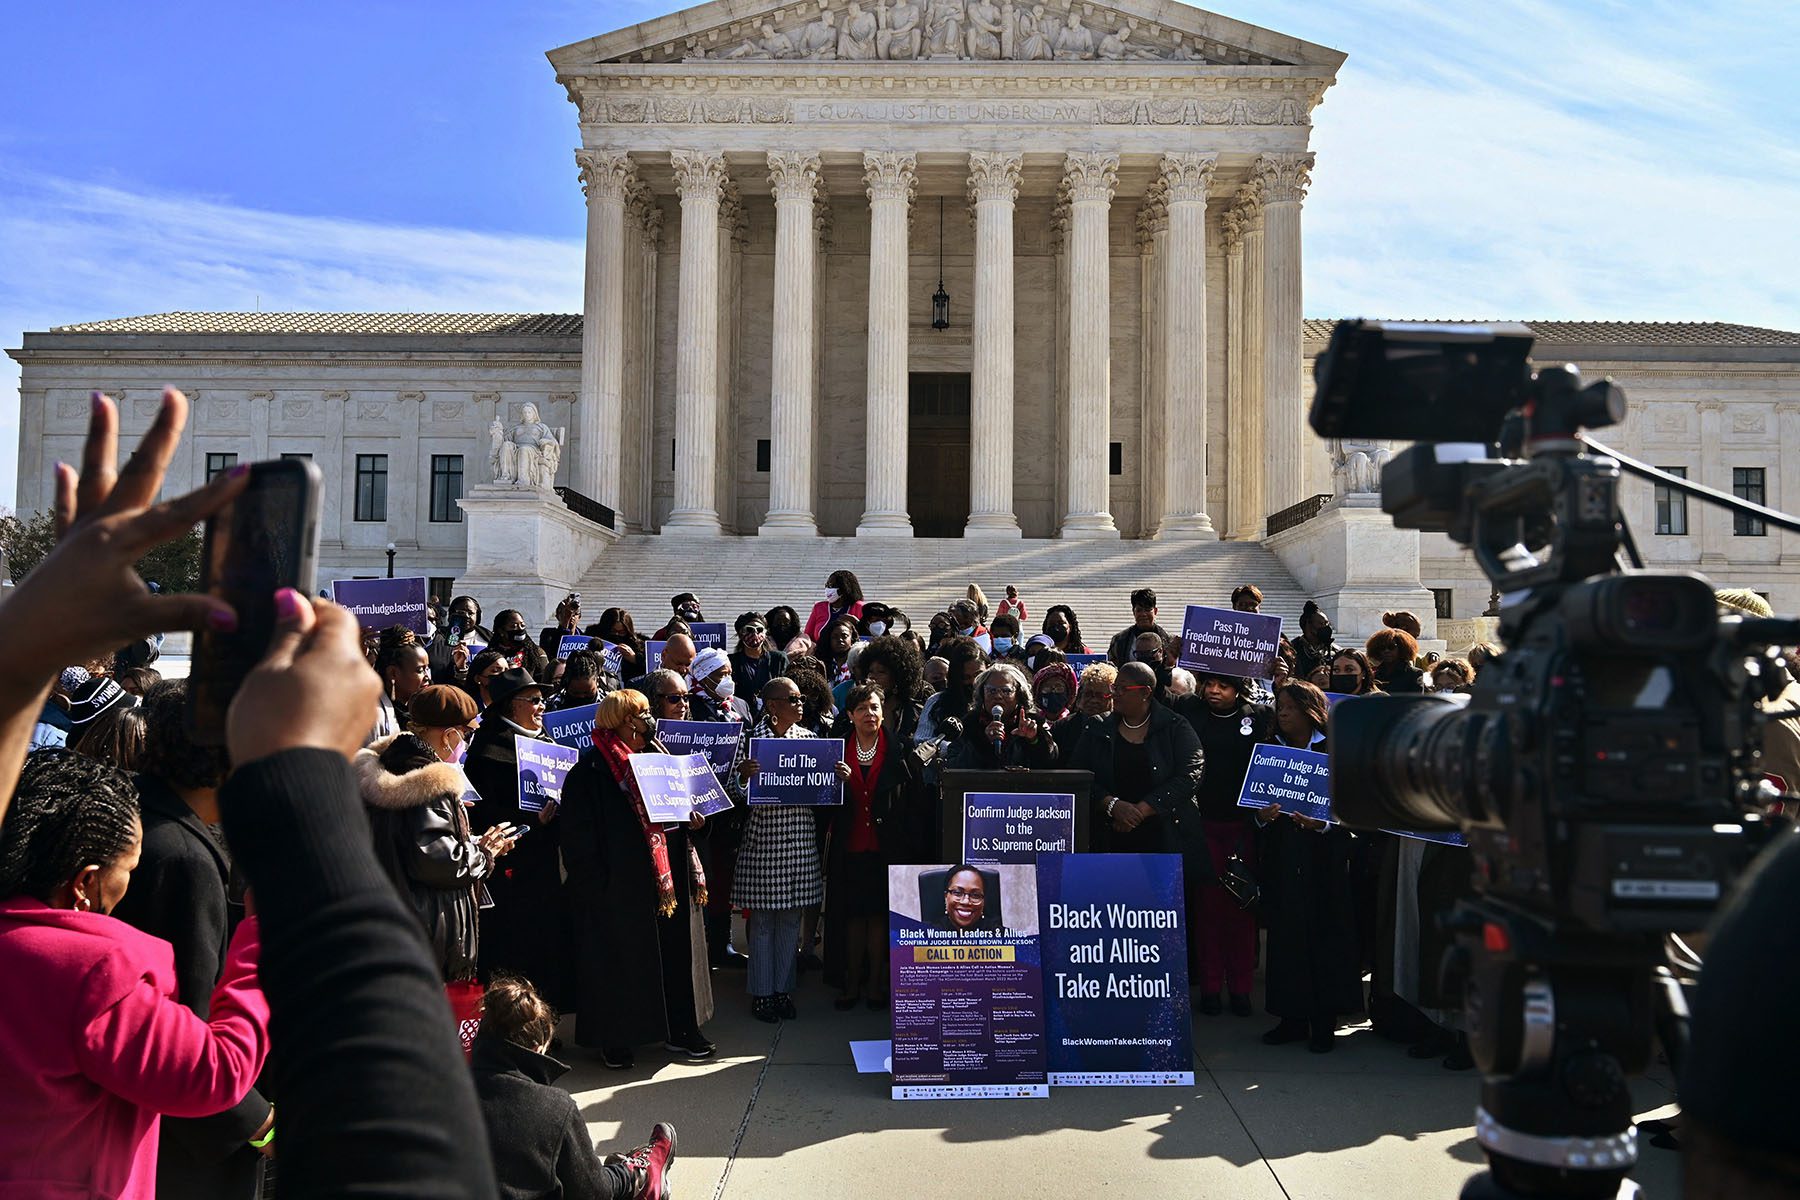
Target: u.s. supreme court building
point(955, 281)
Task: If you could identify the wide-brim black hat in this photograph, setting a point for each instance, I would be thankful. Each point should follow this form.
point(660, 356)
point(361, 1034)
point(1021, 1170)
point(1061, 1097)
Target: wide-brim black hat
point(504, 686)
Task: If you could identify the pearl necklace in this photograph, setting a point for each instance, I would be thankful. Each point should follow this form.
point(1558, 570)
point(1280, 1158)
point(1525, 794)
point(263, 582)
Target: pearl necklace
point(866, 757)
point(1139, 725)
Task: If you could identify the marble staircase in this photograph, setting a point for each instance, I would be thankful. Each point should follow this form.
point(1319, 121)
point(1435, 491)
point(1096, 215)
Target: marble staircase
point(924, 575)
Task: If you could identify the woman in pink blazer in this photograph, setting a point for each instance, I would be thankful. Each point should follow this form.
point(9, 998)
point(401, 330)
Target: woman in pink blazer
point(843, 598)
point(95, 1047)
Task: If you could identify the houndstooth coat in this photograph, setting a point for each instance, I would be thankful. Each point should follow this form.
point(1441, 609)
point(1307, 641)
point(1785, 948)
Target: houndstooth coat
point(778, 863)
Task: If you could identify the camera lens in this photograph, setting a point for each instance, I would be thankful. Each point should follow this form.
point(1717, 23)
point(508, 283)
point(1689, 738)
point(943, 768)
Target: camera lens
point(1409, 762)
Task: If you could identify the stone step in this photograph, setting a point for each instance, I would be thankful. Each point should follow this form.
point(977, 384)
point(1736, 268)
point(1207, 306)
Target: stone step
point(925, 575)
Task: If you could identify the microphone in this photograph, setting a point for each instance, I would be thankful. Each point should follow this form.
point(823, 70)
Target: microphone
point(998, 713)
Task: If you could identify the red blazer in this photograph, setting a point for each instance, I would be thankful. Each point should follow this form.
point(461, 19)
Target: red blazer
point(95, 1048)
point(821, 617)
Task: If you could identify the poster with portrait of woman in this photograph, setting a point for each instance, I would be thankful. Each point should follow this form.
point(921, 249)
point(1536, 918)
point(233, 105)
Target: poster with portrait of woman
point(967, 982)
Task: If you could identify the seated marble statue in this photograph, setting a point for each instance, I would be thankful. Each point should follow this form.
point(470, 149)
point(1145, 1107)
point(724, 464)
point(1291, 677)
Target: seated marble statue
point(901, 35)
point(856, 40)
point(1035, 32)
point(1074, 40)
point(530, 455)
point(819, 39)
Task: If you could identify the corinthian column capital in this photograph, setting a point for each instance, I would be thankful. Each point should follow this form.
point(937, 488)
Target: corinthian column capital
point(890, 174)
point(994, 175)
point(793, 174)
point(605, 174)
point(698, 175)
point(1279, 178)
point(1188, 176)
point(1091, 176)
point(1231, 224)
point(1248, 211)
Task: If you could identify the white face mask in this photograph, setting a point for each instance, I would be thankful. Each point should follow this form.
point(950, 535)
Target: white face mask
point(726, 688)
point(877, 628)
point(831, 595)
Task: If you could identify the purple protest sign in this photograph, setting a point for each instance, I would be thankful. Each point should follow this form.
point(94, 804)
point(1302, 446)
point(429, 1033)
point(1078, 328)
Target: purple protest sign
point(1081, 662)
point(1298, 780)
point(708, 633)
point(570, 643)
point(378, 603)
point(653, 656)
point(717, 740)
point(797, 771)
point(1015, 827)
point(572, 727)
point(1230, 642)
point(542, 767)
point(676, 786)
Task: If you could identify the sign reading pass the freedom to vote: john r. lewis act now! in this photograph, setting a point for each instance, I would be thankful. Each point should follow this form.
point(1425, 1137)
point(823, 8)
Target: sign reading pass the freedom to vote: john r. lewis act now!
point(1230, 642)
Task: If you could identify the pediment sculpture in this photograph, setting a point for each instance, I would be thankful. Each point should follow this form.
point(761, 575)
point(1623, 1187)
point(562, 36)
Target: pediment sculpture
point(527, 455)
point(955, 30)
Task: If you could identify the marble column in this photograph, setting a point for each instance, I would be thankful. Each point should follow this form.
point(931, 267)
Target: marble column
point(1153, 261)
point(793, 178)
point(1091, 178)
point(634, 462)
point(1247, 444)
point(890, 180)
point(1186, 178)
point(698, 177)
point(993, 188)
point(1237, 476)
point(606, 177)
point(1281, 181)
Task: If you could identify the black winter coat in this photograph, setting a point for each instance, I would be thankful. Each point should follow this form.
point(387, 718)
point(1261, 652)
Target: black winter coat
point(1229, 740)
point(440, 654)
point(974, 752)
point(181, 893)
point(540, 1143)
point(425, 844)
point(630, 963)
point(1177, 767)
point(526, 932)
point(905, 826)
point(1314, 967)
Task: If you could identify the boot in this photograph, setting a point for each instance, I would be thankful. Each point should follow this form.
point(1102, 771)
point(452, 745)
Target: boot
point(647, 1167)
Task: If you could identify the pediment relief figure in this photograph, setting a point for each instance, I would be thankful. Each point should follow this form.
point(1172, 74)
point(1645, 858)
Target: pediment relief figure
point(942, 30)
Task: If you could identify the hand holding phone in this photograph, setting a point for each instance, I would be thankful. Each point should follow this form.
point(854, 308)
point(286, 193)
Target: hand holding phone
point(265, 540)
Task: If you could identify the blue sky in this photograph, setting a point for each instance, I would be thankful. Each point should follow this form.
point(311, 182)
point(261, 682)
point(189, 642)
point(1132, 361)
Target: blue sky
point(1512, 159)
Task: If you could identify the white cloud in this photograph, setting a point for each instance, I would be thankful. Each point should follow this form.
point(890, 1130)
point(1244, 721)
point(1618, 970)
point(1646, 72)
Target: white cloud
point(78, 252)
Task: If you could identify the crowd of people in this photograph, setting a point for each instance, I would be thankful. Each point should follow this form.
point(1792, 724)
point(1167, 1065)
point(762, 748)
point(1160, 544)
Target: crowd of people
point(216, 956)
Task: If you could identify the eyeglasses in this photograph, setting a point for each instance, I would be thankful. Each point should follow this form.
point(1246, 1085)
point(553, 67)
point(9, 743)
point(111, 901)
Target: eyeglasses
point(672, 698)
point(999, 689)
point(754, 631)
point(536, 701)
point(1119, 689)
point(785, 698)
point(965, 894)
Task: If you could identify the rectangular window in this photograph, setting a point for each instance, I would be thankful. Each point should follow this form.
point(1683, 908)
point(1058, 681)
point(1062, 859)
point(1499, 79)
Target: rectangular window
point(446, 487)
point(762, 455)
point(218, 464)
point(1747, 484)
point(1115, 458)
point(1671, 505)
point(371, 487)
point(295, 456)
point(1445, 601)
point(440, 586)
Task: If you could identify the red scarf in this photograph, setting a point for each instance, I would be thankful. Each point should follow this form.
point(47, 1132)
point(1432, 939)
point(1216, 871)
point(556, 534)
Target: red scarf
point(617, 757)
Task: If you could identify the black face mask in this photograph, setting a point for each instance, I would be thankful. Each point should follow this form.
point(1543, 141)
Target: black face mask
point(1054, 704)
point(514, 635)
point(1322, 633)
point(649, 727)
point(1345, 683)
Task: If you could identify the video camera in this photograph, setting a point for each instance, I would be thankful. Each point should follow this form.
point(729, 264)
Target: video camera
point(1605, 769)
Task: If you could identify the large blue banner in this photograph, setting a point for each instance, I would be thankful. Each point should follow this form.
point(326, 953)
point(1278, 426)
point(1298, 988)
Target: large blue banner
point(542, 766)
point(1230, 642)
point(797, 771)
point(378, 603)
point(1298, 780)
point(571, 726)
point(967, 983)
point(675, 786)
point(1115, 970)
point(1016, 827)
point(718, 740)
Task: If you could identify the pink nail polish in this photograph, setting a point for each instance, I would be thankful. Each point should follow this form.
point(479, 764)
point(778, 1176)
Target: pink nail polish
point(288, 605)
point(222, 620)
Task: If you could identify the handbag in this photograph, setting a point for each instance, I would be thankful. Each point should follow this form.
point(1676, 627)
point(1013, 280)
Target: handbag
point(1238, 881)
point(465, 997)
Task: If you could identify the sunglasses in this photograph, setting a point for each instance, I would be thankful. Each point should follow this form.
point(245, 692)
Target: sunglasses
point(671, 698)
point(792, 698)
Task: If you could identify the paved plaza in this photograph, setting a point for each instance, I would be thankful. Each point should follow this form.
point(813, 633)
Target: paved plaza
point(781, 1112)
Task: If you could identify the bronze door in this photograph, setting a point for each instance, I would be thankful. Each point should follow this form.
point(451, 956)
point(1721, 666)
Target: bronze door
point(937, 463)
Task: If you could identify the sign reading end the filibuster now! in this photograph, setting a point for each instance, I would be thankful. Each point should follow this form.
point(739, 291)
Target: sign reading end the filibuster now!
point(378, 603)
point(797, 771)
point(1298, 780)
point(1229, 642)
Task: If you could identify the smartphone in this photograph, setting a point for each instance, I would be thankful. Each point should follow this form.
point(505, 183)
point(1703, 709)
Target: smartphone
point(267, 539)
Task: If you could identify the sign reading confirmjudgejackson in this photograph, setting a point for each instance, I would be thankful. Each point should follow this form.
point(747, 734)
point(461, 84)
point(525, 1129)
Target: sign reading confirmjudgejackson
point(1298, 780)
point(1016, 827)
point(1114, 944)
point(572, 727)
point(966, 983)
point(542, 766)
point(1230, 642)
point(676, 786)
point(797, 771)
point(378, 603)
point(718, 740)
